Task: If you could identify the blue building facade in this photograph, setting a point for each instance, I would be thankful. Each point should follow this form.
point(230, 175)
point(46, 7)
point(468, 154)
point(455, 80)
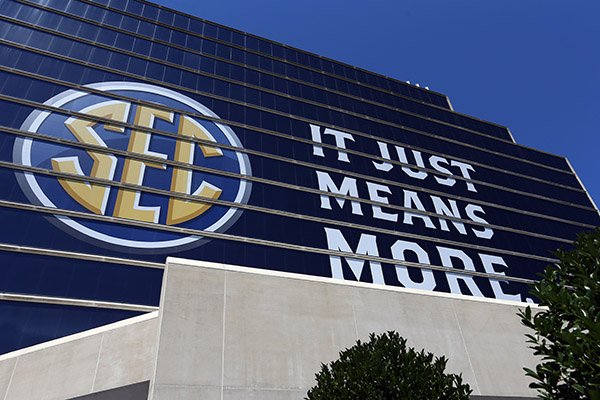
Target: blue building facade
point(130, 132)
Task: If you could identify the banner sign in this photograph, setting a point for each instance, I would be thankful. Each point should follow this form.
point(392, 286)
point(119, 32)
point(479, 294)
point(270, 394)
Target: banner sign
point(141, 171)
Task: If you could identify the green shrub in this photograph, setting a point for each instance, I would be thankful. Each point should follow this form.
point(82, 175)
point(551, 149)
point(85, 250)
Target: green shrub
point(385, 368)
point(567, 335)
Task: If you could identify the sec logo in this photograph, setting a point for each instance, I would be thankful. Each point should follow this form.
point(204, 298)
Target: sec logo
point(141, 205)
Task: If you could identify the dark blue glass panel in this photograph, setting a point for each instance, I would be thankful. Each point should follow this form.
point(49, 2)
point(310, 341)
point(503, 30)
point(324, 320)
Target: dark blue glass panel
point(78, 279)
point(27, 324)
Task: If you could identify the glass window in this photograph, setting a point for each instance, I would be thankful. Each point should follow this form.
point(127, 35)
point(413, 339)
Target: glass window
point(149, 11)
point(59, 45)
point(189, 80)
point(224, 34)
point(113, 19)
point(266, 63)
point(146, 29)
point(221, 88)
point(136, 66)
point(88, 32)
point(172, 75)
point(129, 24)
point(252, 59)
point(118, 61)
point(124, 42)
point(196, 26)
point(223, 51)
point(107, 37)
point(252, 77)
point(175, 56)
point(210, 30)
point(133, 7)
point(79, 51)
point(75, 7)
point(222, 69)
point(207, 65)
point(251, 43)
point(194, 43)
point(290, 54)
point(278, 51)
point(237, 38)
point(141, 46)
point(159, 51)
point(191, 60)
point(279, 67)
point(155, 71)
point(95, 14)
point(237, 55)
point(181, 21)
point(68, 26)
point(237, 73)
point(162, 33)
point(209, 47)
point(165, 16)
point(178, 37)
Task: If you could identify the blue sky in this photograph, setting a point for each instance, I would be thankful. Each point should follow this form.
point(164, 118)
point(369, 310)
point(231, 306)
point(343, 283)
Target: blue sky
point(532, 65)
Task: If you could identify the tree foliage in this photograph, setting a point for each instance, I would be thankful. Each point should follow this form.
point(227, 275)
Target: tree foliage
point(567, 334)
point(385, 368)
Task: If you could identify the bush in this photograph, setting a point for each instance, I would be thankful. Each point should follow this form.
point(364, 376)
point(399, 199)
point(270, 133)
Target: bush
point(385, 368)
point(567, 334)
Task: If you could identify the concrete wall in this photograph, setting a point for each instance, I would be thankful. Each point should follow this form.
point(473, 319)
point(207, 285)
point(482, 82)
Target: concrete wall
point(239, 333)
point(104, 358)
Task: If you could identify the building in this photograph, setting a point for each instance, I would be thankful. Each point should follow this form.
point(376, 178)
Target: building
point(132, 133)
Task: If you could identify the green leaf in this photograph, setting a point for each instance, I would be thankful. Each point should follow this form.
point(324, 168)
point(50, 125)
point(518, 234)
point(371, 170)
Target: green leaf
point(566, 335)
point(386, 368)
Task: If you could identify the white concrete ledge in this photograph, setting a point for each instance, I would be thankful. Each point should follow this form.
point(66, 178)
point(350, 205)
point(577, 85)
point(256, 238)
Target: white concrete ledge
point(111, 356)
point(327, 280)
point(80, 335)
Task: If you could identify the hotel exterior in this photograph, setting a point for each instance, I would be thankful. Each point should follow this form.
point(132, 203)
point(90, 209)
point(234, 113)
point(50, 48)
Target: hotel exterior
point(191, 211)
